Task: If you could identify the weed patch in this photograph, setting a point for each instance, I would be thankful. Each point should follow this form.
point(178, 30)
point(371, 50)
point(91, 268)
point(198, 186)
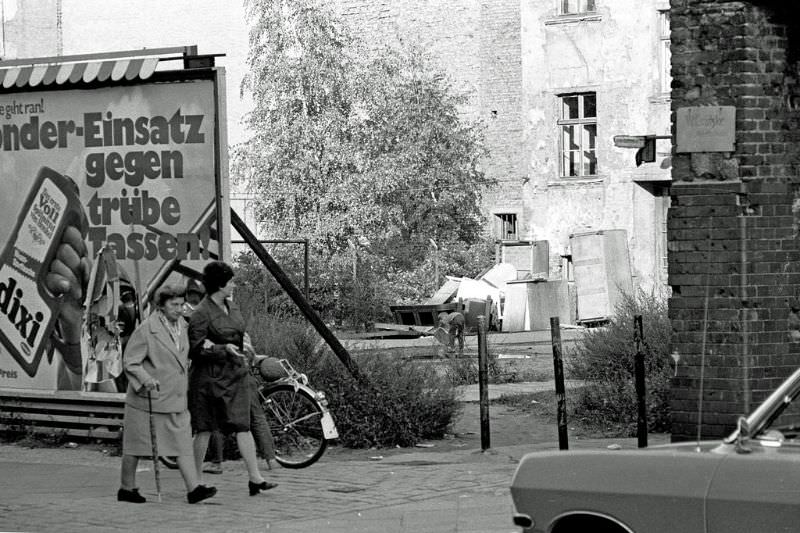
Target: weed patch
point(604, 359)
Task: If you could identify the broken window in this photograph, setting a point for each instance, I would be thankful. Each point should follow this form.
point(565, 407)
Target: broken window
point(570, 7)
point(578, 125)
point(506, 226)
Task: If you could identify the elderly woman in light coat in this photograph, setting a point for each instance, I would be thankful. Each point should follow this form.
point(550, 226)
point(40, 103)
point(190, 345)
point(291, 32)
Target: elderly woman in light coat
point(156, 363)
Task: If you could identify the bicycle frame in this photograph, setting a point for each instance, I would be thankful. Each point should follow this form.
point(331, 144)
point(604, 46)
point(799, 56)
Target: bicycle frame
point(299, 381)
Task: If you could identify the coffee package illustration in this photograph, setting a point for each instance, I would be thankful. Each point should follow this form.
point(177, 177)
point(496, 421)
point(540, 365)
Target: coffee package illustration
point(28, 311)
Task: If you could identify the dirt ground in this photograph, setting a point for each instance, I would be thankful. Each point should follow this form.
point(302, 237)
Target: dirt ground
point(508, 426)
point(510, 423)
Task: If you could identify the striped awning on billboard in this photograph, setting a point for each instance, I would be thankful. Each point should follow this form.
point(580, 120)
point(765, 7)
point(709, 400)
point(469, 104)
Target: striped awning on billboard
point(43, 74)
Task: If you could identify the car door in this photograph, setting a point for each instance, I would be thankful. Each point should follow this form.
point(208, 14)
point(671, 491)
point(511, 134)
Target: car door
point(756, 491)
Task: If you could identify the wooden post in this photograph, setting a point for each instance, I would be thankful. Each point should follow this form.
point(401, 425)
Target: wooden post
point(483, 382)
point(638, 367)
point(558, 368)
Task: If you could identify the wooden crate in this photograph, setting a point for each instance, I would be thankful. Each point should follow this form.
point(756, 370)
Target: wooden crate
point(94, 415)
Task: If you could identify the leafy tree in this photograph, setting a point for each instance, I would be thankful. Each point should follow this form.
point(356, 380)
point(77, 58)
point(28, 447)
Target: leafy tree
point(362, 151)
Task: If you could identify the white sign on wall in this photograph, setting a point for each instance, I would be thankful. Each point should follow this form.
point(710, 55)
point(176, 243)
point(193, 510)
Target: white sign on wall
point(706, 129)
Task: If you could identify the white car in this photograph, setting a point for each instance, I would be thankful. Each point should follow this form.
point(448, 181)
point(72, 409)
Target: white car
point(747, 482)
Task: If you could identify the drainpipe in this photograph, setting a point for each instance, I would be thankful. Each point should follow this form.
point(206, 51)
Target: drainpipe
point(743, 295)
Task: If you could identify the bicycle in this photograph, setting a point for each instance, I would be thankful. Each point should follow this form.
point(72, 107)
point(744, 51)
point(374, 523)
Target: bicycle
point(298, 415)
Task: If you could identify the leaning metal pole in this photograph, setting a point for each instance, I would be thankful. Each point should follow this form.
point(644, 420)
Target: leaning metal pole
point(295, 294)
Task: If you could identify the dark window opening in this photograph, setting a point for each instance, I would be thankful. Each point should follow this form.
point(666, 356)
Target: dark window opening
point(506, 226)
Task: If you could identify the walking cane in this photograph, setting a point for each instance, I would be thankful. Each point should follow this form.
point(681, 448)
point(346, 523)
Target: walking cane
point(154, 443)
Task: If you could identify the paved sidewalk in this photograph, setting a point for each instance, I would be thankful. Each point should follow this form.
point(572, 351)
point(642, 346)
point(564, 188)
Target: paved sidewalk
point(412, 490)
point(464, 491)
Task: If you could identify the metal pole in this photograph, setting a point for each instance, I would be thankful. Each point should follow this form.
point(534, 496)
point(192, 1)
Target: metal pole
point(483, 382)
point(436, 268)
point(558, 367)
point(305, 267)
point(641, 416)
point(743, 296)
point(296, 296)
point(435, 263)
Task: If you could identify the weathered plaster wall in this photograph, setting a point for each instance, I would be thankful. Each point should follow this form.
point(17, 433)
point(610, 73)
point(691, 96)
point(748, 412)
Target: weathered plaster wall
point(514, 57)
point(29, 32)
point(614, 55)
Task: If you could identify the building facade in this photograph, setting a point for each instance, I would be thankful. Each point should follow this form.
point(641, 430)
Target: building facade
point(734, 259)
point(593, 70)
point(554, 81)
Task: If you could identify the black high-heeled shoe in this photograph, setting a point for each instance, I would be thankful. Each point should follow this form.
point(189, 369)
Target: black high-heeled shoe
point(200, 493)
point(255, 488)
point(130, 496)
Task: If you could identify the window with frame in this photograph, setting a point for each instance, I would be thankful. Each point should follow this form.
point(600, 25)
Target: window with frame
point(506, 226)
point(573, 7)
point(578, 135)
point(665, 56)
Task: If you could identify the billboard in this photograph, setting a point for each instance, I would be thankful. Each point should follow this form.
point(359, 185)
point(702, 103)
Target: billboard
point(134, 169)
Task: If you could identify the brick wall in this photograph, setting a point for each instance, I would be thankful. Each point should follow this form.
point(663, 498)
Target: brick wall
point(734, 260)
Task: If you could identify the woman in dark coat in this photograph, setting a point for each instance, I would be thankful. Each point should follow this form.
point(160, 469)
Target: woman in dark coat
point(219, 387)
point(156, 363)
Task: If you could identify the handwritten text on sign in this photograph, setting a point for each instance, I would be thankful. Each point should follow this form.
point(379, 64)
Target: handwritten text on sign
point(706, 129)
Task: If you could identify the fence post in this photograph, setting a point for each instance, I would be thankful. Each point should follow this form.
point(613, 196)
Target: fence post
point(638, 368)
point(558, 367)
point(483, 382)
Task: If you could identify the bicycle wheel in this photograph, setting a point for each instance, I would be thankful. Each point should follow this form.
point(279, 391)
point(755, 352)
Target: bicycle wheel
point(295, 420)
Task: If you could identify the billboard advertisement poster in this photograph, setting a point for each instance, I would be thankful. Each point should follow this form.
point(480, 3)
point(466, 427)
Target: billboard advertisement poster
point(130, 169)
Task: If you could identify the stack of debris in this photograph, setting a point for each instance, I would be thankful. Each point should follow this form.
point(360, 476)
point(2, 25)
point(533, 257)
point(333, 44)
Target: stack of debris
point(518, 294)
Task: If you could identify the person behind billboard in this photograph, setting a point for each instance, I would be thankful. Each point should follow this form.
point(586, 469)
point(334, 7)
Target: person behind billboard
point(156, 363)
point(220, 387)
point(128, 319)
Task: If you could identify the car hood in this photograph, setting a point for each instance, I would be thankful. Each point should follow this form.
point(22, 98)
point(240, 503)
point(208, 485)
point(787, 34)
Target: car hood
point(613, 482)
point(633, 467)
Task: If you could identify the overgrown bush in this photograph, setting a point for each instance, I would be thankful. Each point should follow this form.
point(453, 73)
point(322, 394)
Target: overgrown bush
point(604, 358)
point(401, 402)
